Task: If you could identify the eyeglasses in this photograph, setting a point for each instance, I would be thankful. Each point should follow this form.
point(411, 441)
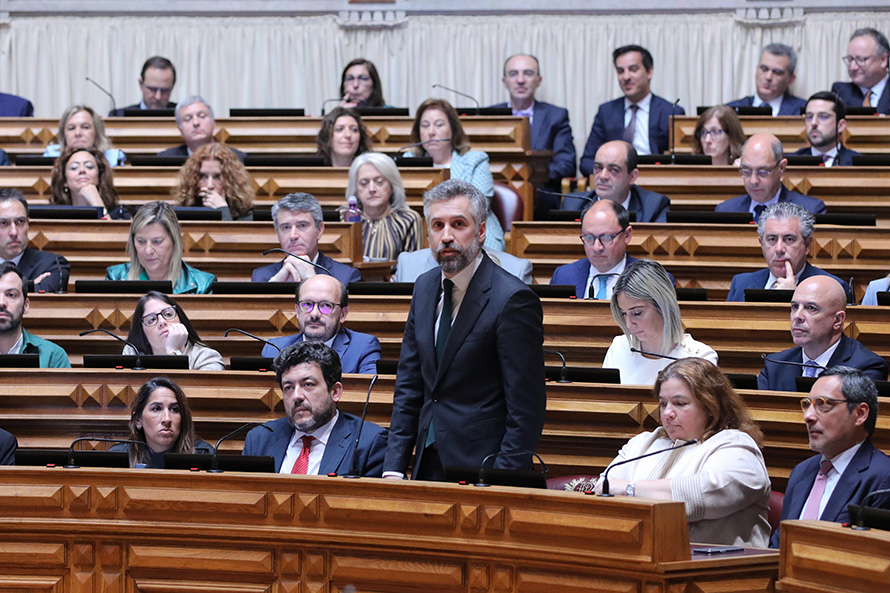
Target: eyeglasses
point(821, 116)
point(364, 78)
point(823, 404)
point(151, 319)
point(747, 172)
point(715, 133)
point(859, 61)
point(606, 238)
point(19, 222)
point(324, 307)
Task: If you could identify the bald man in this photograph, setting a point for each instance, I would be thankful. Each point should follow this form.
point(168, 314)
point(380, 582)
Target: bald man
point(818, 311)
point(762, 165)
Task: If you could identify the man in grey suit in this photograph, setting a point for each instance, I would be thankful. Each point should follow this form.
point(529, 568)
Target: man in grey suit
point(471, 372)
point(314, 437)
point(412, 264)
point(48, 271)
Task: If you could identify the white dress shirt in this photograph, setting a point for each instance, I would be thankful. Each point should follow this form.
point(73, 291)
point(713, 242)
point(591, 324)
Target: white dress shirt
point(316, 450)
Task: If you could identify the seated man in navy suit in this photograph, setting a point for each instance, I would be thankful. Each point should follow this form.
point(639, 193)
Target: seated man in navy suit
point(322, 305)
point(156, 81)
point(785, 232)
point(8, 445)
point(840, 414)
point(826, 121)
point(639, 117)
point(762, 164)
point(196, 122)
point(314, 437)
point(549, 123)
point(15, 106)
point(775, 74)
point(299, 224)
point(615, 173)
point(49, 271)
point(818, 311)
point(866, 61)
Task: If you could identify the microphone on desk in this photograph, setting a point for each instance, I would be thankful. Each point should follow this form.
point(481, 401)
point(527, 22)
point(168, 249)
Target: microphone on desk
point(101, 88)
point(137, 364)
point(456, 92)
point(605, 492)
point(250, 335)
point(851, 297)
point(214, 461)
point(416, 144)
point(337, 99)
point(766, 357)
point(61, 279)
point(860, 516)
point(643, 352)
point(481, 483)
point(673, 134)
point(353, 463)
point(299, 257)
point(564, 372)
point(72, 465)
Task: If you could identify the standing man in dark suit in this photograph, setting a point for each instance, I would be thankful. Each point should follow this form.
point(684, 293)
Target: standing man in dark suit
point(866, 61)
point(196, 122)
point(15, 106)
point(775, 74)
point(471, 372)
point(639, 117)
point(299, 224)
point(615, 173)
point(785, 232)
point(8, 445)
point(818, 311)
point(826, 121)
point(549, 123)
point(840, 415)
point(763, 163)
point(48, 271)
point(314, 437)
point(156, 81)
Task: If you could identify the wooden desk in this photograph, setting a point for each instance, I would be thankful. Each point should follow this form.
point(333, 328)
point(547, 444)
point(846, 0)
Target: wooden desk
point(864, 133)
point(144, 530)
point(818, 556)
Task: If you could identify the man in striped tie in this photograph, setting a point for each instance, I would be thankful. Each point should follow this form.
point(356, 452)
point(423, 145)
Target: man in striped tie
point(840, 413)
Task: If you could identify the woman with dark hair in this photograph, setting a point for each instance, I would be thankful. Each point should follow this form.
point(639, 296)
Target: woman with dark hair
point(718, 133)
point(160, 326)
point(342, 137)
point(81, 177)
point(214, 177)
point(722, 477)
point(438, 127)
point(160, 418)
point(81, 127)
point(360, 85)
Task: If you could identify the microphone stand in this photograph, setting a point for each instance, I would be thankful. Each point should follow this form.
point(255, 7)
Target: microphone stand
point(101, 88)
point(299, 257)
point(137, 364)
point(673, 133)
point(481, 483)
point(564, 372)
point(606, 494)
point(72, 465)
point(654, 354)
point(353, 464)
point(250, 335)
point(456, 92)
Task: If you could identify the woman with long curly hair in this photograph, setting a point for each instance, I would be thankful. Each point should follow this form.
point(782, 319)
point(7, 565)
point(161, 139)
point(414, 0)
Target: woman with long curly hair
point(213, 177)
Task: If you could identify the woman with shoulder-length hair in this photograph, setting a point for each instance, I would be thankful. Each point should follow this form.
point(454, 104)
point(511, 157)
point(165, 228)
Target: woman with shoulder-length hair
point(360, 85)
point(155, 250)
point(721, 478)
point(161, 420)
point(389, 226)
point(81, 177)
point(718, 133)
point(81, 127)
point(213, 177)
point(342, 137)
point(644, 305)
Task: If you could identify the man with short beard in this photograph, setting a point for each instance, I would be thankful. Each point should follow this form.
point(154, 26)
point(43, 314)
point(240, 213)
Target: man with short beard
point(14, 305)
point(314, 437)
point(471, 373)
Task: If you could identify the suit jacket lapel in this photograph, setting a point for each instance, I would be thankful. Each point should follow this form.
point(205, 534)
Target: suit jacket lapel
point(849, 483)
point(341, 342)
point(424, 301)
point(335, 450)
point(278, 443)
point(842, 354)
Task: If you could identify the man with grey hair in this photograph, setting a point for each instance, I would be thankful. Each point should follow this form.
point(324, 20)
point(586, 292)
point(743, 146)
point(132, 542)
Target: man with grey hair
point(194, 116)
point(840, 414)
point(775, 74)
point(762, 165)
point(299, 225)
point(785, 232)
point(866, 61)
point(471, 372)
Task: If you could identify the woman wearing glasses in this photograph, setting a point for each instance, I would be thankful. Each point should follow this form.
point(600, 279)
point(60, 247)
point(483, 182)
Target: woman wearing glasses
point(389, 226)
point(644, 305)
point(360, 85)
point(722, 477)
point(718, 133)
point(160, 326)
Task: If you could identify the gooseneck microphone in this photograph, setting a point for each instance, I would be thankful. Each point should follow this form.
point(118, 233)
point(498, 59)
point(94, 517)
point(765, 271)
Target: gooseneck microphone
point(606, 493)
point(456, 92)
point(481, 483)
point(250, 335)
point(673, 132)
point(766, 357)
point(323, 105)
point(353, 463)
point(654, 354)
point(563, 373)
point(416, 144)
point(299, 257)
point(137, 364)
point(101, 88)
point(72, 465)
point(214, 461)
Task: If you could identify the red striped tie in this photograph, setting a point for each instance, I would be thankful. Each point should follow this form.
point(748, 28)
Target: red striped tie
point(302, 462)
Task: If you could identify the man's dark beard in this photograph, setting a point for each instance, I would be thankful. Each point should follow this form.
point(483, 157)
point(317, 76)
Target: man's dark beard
point(455, 263)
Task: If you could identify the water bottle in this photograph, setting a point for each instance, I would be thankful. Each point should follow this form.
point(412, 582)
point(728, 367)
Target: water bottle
point(352, 214)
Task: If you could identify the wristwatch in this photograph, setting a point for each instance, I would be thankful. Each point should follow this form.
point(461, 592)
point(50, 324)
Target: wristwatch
point(630, 489)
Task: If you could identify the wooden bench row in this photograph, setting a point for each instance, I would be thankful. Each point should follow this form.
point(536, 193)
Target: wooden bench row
point(586, 424)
